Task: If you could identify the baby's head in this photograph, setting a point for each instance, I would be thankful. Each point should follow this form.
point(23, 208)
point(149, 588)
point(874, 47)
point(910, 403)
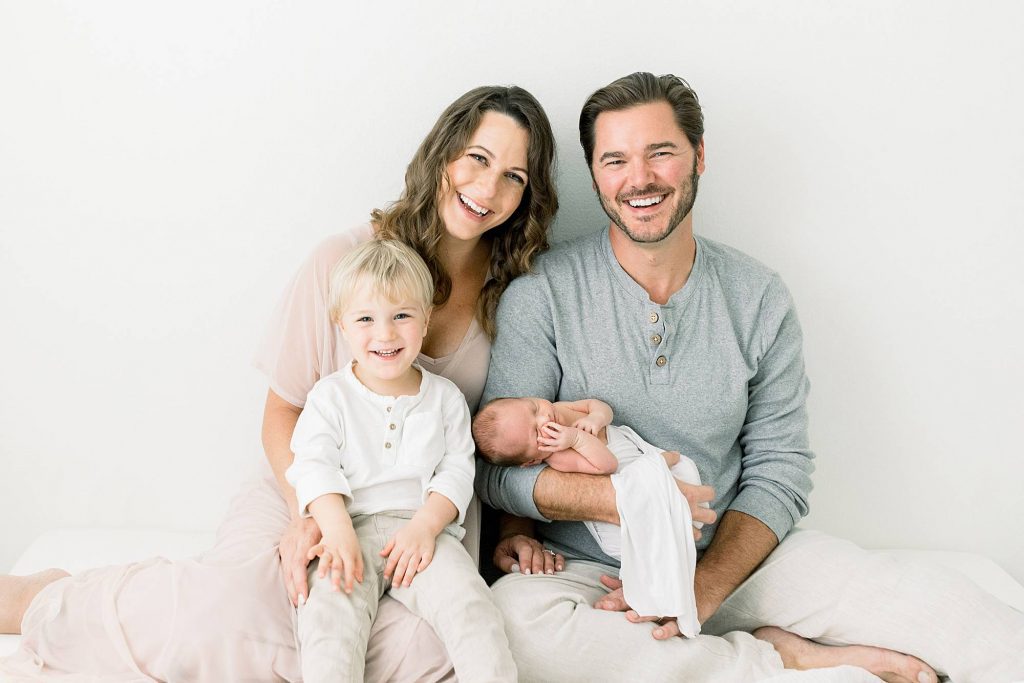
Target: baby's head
point(380, 297)
point(506, 430)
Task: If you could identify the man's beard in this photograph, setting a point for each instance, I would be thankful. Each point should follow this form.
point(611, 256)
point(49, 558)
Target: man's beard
point(688, 192)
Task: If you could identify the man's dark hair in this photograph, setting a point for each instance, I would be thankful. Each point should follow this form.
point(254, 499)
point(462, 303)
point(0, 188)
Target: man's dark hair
point(643, 87)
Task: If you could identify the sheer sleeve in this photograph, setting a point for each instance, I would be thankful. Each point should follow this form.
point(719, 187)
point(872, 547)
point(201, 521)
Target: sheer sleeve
point(301, 344)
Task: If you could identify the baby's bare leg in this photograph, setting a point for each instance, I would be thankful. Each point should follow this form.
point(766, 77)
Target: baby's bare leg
point(18, 592)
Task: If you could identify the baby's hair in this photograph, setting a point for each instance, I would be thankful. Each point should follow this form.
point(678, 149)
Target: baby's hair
point(395, 271)
point(487, 437)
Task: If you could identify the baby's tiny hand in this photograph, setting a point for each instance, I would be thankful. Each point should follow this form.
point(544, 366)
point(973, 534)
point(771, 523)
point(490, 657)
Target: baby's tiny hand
point(589, 424)
point(555, 437)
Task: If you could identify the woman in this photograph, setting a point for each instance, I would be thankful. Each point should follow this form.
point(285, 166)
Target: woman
point(478, 200)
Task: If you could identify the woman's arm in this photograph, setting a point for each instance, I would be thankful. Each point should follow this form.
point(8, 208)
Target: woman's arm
point(279, 418)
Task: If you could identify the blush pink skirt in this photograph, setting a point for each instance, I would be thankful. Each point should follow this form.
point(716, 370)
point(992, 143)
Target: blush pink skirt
point(222, 616)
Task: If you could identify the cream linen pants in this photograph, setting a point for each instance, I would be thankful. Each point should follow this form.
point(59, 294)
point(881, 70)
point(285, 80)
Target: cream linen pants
point(814, 585)
point(450, 595)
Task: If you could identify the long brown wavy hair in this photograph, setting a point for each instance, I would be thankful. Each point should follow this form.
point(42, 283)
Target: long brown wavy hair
point(414, 218)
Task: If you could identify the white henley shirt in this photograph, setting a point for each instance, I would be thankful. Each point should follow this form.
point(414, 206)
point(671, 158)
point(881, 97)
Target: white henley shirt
point(383, 452)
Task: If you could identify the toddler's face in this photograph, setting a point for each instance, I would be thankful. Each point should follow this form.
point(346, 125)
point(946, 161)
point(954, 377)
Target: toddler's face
point(521, 422)
point(384, 336)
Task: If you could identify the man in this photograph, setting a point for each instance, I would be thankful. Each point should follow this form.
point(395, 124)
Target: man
point(697, 347)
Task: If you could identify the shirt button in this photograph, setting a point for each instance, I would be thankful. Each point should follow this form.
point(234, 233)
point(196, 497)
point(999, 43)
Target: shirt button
point(387, 444)
point(661, 361)
point(388, 409)
point(391, 426)
point(653, 317)
point(656, 339)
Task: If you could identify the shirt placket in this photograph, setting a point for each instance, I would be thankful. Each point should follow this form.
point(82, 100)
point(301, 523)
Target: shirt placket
point(392, 431)
point(655, 330)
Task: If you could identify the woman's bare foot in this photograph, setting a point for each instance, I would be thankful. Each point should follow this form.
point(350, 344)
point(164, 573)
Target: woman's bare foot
point(17, 592)
point(890, 666)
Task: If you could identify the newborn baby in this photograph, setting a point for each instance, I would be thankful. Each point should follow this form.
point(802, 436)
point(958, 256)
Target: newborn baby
point(574, 436)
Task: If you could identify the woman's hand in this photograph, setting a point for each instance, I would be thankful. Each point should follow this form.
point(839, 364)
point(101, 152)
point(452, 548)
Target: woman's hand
point(300, 536)
point(409, 551)
point(520, 553)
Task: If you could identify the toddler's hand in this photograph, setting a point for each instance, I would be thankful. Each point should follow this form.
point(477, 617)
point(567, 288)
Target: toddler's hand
point(409, 551)
point(341, 559)
point(554, 437)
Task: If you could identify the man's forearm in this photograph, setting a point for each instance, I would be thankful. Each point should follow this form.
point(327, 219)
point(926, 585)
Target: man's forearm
point(575, 497)
point(740, 544)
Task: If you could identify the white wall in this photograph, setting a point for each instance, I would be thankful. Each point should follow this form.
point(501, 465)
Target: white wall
point(165, 167)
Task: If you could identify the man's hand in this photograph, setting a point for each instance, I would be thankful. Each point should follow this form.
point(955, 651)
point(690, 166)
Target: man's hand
point(695, 495)
point(667, 628)
point(409, 551)
point(342, 557)
point(520, 553)
point(300, 536)
point(671, 458)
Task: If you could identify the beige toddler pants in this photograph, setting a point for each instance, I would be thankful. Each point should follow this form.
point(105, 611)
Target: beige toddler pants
point(449, 594)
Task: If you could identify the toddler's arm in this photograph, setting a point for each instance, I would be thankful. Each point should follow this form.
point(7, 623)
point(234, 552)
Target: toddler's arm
point(574, 450)
point(599, 414)
point(339, 549)
point(411, 549)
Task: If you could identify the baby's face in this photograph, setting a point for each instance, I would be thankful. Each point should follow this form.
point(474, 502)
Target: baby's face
point(521, 422)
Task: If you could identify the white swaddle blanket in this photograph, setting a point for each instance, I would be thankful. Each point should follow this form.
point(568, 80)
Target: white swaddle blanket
point(653, 540)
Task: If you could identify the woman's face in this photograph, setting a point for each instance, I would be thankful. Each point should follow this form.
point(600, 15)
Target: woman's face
point(487, 180)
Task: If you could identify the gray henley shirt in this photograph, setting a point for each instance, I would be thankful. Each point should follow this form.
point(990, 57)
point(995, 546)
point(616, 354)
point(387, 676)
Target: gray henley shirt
point(717, 374)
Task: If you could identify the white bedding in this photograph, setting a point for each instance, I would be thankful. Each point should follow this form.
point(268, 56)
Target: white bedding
point(79, 549)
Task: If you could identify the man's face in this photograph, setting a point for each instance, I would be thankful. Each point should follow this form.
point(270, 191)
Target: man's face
point(645, 170)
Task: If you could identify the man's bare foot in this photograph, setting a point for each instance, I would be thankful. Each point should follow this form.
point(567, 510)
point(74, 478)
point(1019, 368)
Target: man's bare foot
point(17, 592)
point(890, 666)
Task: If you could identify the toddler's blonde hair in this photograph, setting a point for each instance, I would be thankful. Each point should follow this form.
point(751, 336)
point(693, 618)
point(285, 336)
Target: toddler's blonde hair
point(395, 271)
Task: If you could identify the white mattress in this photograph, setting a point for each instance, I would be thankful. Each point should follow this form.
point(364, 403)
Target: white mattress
point(79, 549)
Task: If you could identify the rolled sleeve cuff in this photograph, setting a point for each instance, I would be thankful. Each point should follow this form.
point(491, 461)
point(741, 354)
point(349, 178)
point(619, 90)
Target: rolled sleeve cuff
point(762, 505)
point(312, 486)
point(458, 495)
point(509, 489)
